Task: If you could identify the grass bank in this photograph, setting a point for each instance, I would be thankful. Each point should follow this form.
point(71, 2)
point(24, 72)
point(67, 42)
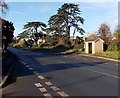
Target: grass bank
point(112, 54)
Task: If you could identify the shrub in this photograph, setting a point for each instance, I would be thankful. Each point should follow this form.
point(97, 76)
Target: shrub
point(71, 51)
point(79, 46)
point(114, 46)
point(60, 48)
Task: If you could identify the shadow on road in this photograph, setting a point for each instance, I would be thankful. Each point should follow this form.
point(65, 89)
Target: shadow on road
point(20, 70)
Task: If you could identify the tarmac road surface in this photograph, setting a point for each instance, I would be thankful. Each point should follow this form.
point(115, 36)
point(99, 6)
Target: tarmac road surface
point(42, 73)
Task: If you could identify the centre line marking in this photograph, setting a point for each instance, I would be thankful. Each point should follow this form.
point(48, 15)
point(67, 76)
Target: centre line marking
point(38, 85)
point(42, 89)
point(63, 94)
point(101, 73)
point(41, 77)
point(48, 83)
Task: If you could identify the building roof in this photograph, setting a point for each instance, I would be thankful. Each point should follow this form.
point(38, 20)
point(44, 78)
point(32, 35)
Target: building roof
point(94, 40)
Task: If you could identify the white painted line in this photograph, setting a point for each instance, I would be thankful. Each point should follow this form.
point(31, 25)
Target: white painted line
point(38, 85)
point(48, 83)
point(95, 61)
point(54, 88)
point(48, 95)
point(63, 94)
point(65, 56)
point(106, 63)
point(23, 63)
point(116, 64)
point(61, 62)
point(85, 59)
point(36, 73)
point(42, 89)
point(27, 66)
point(41, 77)
point(30, 69)
point(101, 73)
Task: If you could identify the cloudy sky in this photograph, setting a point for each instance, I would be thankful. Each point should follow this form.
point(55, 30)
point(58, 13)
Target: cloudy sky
point(94, 13)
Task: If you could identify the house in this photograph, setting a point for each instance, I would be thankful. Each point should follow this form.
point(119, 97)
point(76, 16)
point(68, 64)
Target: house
point(114, 38)
point(94, 46)
point(40, 41)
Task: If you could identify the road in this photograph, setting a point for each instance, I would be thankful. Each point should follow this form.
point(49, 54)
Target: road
point(39, 73)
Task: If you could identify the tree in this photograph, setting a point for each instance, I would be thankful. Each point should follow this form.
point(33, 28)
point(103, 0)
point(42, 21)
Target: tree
point(7, 32)
point(3, 6)
point(116, 35)
point(24, 34)
point(55, 22)
point(92, 37)
point(67, 16)
point(33, 27)
point(71, 14)
point(105, 33)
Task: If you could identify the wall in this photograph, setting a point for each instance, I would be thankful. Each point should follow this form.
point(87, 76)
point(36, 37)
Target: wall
point(98, 46)
point(86, 48)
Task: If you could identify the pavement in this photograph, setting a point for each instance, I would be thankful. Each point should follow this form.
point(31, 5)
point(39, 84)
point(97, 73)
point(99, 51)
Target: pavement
point(54, 74)
point(7, 66)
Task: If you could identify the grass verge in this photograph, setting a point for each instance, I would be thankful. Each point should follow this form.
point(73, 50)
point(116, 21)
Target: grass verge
point(113, 54)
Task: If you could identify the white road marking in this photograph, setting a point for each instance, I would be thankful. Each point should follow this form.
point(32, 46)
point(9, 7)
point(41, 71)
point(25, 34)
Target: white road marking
point(36, 73)
point(63, 94)
point(106, 63)
point(30, 69)
point(54, 88)
point(101, 73)
point(95, 61)
point(84, 59)
point(116, 64)
point(48, 83)
point(41, 77)
point(38, 85)
point(61, 62)
point(23, 63)
point(27, 66)
point(48, 95)
point(42, 89)
point(65, 56)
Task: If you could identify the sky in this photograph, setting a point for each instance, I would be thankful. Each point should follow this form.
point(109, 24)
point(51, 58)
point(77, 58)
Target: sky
point(94, 13)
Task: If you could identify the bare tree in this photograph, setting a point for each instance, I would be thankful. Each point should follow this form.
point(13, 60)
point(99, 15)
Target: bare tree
point(3, 6)
point(105, 33)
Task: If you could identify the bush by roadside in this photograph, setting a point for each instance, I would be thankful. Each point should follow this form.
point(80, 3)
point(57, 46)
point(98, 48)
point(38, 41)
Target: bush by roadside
point(114, 46)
